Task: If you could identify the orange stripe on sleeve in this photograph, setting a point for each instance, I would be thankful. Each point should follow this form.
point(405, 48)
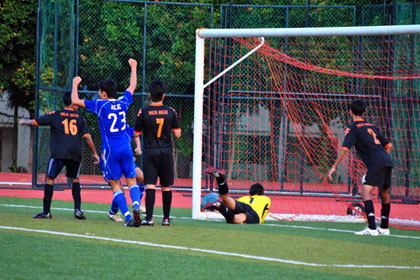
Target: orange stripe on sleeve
point(35, 122)
point(345, 148)
point(387, 145)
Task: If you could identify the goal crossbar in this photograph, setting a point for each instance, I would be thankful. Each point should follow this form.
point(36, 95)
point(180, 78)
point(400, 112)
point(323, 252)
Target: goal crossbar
point(311, 31)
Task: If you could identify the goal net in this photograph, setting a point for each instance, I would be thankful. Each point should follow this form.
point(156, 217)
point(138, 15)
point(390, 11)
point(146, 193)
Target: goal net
point(272, 106)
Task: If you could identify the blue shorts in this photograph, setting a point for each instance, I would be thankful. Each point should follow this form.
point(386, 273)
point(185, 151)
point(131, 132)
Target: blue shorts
point(118, 161)
point(102, 167)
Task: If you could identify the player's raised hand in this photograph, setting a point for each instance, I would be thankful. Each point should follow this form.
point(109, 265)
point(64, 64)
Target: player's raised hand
point(132, 62)
point(77, 80)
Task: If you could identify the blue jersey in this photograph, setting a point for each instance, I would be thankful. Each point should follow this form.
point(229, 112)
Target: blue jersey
point(112, 119)
point(116, 153)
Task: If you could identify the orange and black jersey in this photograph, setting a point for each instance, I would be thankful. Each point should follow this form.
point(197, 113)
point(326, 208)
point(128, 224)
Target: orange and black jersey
point(370, 144)
point(156, 123)
point(67, 128)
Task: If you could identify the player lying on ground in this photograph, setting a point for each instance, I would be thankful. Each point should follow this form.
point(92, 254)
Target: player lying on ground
point(250, 209)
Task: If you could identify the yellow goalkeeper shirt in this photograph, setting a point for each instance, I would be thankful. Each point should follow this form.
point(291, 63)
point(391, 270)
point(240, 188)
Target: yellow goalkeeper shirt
point(259, 203)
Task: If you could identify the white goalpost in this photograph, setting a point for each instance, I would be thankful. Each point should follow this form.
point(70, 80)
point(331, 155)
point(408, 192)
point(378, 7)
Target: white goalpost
point(266, 100)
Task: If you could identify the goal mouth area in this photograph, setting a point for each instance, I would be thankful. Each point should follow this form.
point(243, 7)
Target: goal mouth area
point(280, 115)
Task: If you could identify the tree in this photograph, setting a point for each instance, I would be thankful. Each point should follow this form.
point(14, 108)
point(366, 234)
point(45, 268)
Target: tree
point(17, 62)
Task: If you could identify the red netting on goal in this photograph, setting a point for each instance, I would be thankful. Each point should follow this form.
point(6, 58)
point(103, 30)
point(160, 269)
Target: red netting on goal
point(279, 117)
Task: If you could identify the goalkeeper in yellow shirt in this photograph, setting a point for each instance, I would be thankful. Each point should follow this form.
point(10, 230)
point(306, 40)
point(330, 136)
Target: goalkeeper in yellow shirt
point(250, 209)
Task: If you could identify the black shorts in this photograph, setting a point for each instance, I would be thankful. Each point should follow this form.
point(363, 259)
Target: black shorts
point(379, 177)
point(55, 165)
point(251, 215)
point(158, 163)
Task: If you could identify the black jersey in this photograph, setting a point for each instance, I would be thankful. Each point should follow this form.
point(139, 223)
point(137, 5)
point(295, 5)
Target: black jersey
point(156, 123)
point(67, 128)
point(369, 144)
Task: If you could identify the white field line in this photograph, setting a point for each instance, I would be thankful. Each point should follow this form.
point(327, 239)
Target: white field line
point(189, 218)
point(214, 252)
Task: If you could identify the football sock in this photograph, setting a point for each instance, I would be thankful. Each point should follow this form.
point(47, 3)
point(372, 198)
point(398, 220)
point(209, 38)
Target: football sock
point(227, 213)
point(135, 195)
point(386, 209)
point(114, 207)
point(167, 201)
point(150, 203)
point(48, 194)
point(142, 188)
point(119, 198)
point(370, 214)
point(223, 187)
point(75, 190)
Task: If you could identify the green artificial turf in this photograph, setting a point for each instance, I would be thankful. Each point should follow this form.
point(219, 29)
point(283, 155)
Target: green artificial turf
point(96, 248)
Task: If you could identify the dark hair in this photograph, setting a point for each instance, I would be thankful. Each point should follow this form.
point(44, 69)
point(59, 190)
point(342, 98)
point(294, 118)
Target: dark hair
point(67, 98)
point(110, 87)
point(157, 89)
point(256, 189)
point(358, 107)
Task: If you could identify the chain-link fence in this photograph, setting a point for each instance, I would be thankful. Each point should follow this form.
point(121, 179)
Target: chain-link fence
point(95, 39)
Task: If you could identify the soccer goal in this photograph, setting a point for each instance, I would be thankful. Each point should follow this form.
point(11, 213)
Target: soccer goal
point(271, 106)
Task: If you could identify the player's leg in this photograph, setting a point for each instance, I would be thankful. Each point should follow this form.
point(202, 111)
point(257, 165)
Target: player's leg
point(73, 171)
point(113, 172)
point(140, 181)
point(166, 176)
point(150, 168)
point(386, 203)
point(374, 177)
point(54, 167)
point(113, 212)
point(166, 202)
point(135, 198)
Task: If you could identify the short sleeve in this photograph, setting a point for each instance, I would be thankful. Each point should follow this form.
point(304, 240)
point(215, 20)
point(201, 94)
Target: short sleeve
point(349, 139)
point(91, 106)
point(84, 128)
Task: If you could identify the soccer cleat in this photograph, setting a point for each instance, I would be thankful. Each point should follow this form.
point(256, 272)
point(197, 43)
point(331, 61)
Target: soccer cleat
point(115, 217)
point(383, 231)
point(214, 205)
point(166, 222)
point(367, 231)
point(43, 215)
point(214, 172)
point(78, 214)
point(146, 222)
point(136, 216)
point(142, 209)
point(130, 223)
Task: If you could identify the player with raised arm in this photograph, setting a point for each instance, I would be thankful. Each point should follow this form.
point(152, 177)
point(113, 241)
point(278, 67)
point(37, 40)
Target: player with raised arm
point(250, 209)
point(116, 153)
point(374, 150)
point(156, 123)
point(67, 128)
